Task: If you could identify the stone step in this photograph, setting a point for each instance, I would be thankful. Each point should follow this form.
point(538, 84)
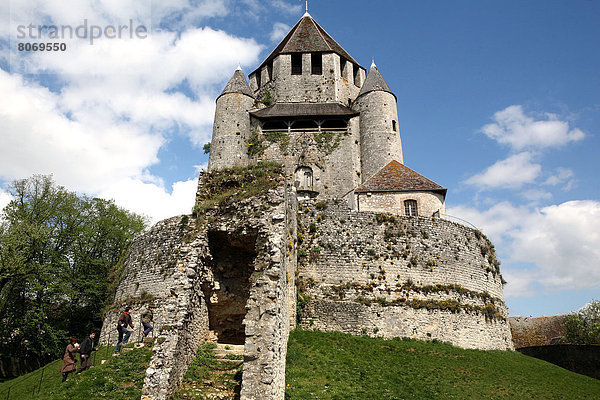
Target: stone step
point(224, 346)
point(224, 352)
point(223, 359)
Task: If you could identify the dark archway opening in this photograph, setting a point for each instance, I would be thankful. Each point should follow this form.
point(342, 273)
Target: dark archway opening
point(232, 264)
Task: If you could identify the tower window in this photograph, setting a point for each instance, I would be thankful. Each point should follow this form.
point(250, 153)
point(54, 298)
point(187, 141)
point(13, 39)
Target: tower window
point(410, 208)
point(394, 125)
point(304, 178)
point(316, 63)
point(258, 77)
point(296, 63)
point(343, 64)
point(270, 70)
point(356, 72)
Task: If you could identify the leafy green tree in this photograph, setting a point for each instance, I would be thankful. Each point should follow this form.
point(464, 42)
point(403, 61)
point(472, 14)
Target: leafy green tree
point(56, 251)
point(583, 327)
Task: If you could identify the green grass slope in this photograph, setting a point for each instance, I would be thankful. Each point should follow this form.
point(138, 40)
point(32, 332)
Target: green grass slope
point(338, 366)
point(334, 366)
point(121, 378)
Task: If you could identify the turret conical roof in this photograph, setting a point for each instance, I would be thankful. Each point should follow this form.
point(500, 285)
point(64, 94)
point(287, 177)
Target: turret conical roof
point(238, 84)
point(307, 36)
point(374, 82)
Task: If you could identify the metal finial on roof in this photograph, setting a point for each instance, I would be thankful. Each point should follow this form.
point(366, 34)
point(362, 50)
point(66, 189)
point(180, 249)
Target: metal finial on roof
point(239, 67)
point(373, 63)
point(306, 14)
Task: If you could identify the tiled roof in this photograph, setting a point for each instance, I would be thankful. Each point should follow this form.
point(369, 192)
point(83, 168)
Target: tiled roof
point(307, 36)
point(396, 177)
point(304, 110)
point(238, 84)
point(374, 82)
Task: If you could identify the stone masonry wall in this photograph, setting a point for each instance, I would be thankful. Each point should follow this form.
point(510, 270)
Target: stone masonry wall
point(377, 274)
point(175, 267)
point(427, 202)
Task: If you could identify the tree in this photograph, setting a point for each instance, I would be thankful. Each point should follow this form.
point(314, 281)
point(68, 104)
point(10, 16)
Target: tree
point(206, 148)
point(583, 327)
point(56, 251)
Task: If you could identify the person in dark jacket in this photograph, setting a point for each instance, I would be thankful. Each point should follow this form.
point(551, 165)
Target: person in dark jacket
point(147, 318)
point(85, 351)
point(124, 333)
point(69, 363)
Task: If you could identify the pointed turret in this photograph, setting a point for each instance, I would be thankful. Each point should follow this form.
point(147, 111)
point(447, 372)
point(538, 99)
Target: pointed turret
point(231, 128)
point(374, 82)
point(379, 132)
point(238, 84)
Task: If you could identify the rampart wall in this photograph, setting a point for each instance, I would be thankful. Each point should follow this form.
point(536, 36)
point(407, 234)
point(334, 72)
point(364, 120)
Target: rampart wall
point(384, 275)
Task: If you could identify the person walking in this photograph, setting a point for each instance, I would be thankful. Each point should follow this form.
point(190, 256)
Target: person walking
point(124, 333)
point(85, 351)
point(69, 363)
point(147, 318)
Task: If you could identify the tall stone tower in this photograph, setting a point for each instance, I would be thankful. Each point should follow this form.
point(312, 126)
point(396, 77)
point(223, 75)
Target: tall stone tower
point(232, 124)
point(379, 131)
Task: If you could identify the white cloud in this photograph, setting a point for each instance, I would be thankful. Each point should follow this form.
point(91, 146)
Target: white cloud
point(151, 199)
point(5, 198)
point(561, 176)
point(550, 249)
point(512, 127)
point(113, 105)
point(279, 31)
point(290, 8)
point(513, 172)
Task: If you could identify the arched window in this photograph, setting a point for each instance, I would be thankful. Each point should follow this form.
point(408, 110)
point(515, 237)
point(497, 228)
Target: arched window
point(304, 178)
point(410, 208)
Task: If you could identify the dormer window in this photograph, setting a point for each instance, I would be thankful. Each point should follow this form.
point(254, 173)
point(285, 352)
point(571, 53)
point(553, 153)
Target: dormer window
point(316, 63)
point(296, 63)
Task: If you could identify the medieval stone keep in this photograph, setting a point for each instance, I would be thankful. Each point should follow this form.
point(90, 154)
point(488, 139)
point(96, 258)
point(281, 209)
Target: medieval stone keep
point(308, 217)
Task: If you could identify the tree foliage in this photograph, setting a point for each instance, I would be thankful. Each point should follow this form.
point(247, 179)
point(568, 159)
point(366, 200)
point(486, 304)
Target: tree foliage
point(583, 327)
point(56, 252)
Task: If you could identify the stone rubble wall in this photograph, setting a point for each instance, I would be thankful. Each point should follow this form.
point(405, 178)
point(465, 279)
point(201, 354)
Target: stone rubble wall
point(364, 276)
point(170, 266)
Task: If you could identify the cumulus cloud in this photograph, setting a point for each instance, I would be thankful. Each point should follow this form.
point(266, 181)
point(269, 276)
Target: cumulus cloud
point(97, 116)
point(279, 31)
point(5, 198)
point(548, 249)
point(514, 128)
point(560, 176)
point(513, 173)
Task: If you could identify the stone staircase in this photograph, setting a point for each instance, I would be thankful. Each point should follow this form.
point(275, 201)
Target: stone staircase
point(231, 353)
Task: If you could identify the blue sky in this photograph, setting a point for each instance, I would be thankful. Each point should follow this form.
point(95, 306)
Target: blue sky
point(499, 101)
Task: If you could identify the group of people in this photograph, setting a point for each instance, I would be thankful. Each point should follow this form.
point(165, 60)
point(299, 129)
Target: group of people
point(87, 346)
point(125, 321)
point(69, 363)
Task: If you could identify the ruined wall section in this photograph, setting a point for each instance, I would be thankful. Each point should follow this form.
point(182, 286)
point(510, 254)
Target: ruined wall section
point(383, 275)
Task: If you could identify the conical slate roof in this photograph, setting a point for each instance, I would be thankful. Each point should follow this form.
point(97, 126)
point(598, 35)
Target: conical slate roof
point(396, 177)
point(374, 82)
point(307, 36)
point(238, 84)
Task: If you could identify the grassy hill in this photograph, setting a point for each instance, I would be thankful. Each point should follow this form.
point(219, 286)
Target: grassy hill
point(338, 366)
point(120, 379)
